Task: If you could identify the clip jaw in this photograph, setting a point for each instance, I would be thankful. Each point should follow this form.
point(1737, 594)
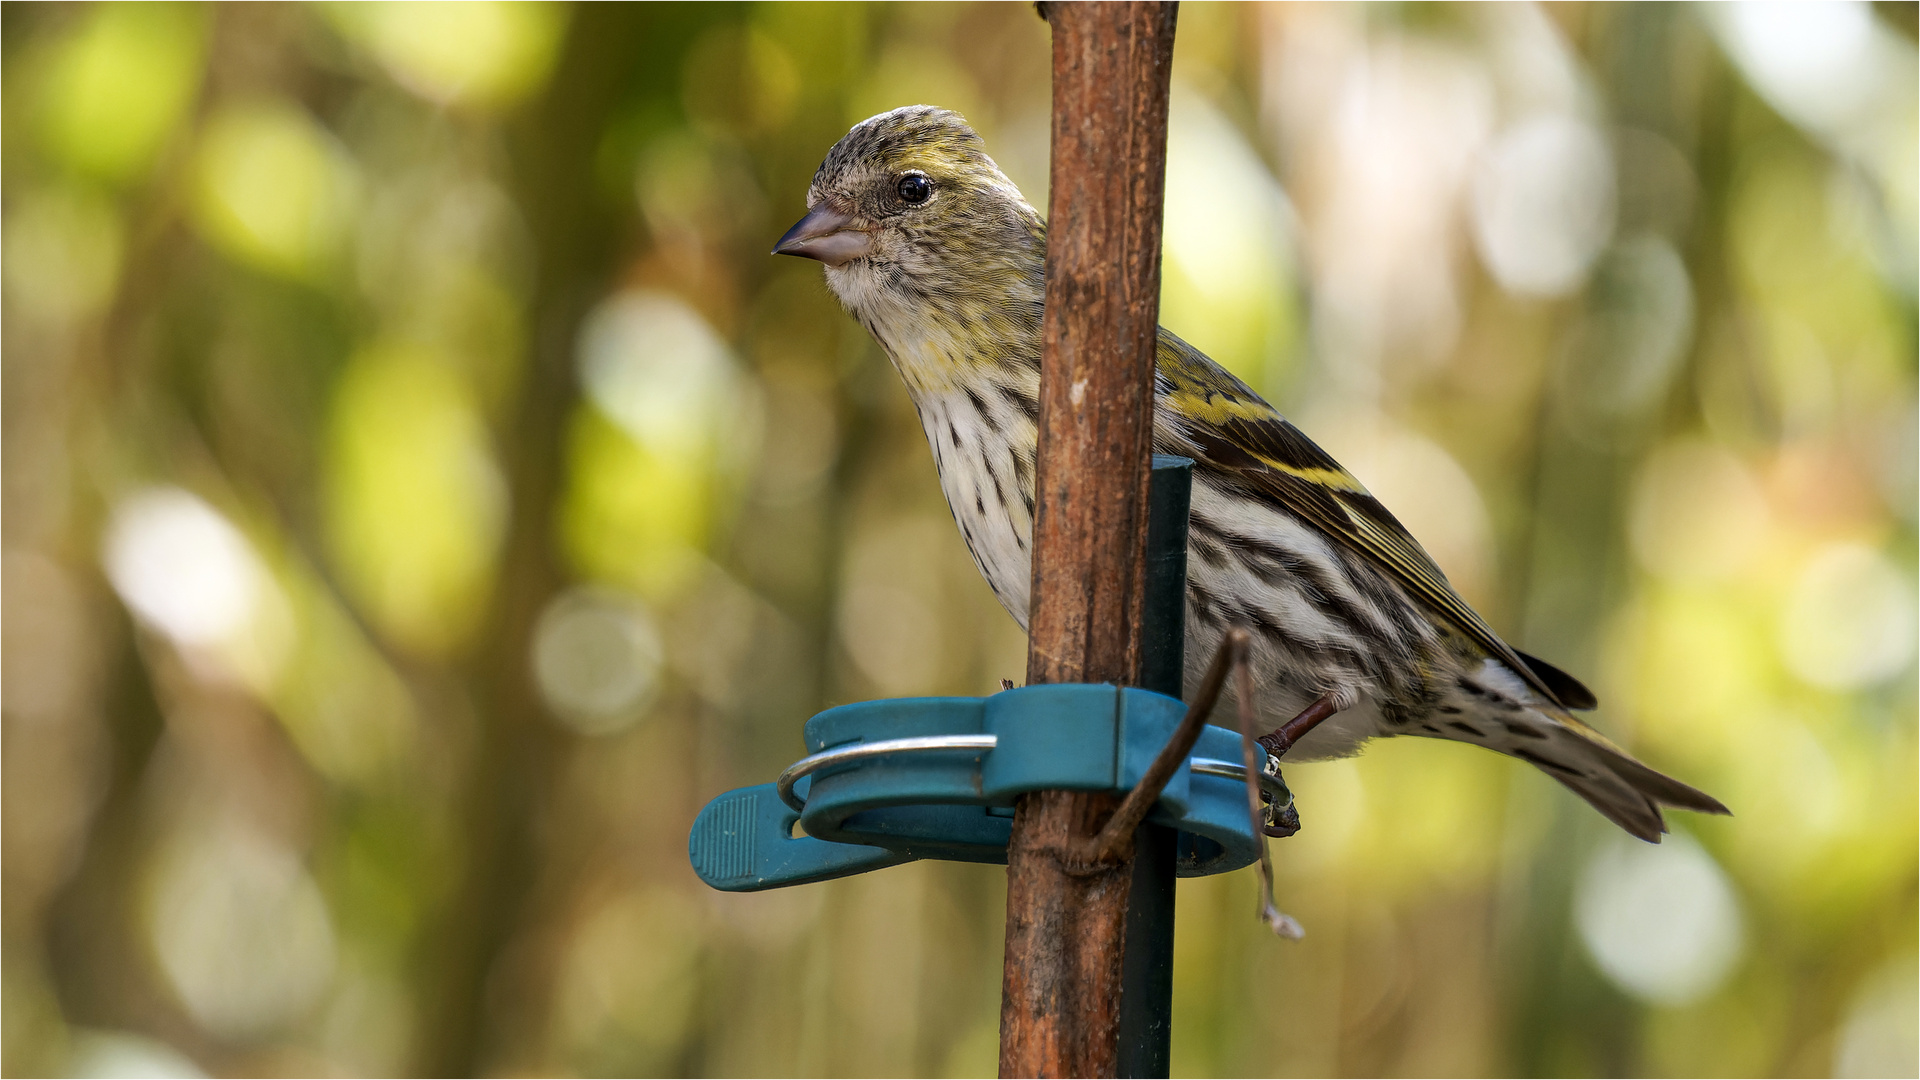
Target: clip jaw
point(917, 778)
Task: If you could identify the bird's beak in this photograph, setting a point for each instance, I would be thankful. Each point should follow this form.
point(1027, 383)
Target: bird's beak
point(827, 235)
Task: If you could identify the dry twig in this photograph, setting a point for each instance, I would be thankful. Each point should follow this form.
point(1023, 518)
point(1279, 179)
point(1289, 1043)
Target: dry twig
point(1250, 755)
point(1115, 839)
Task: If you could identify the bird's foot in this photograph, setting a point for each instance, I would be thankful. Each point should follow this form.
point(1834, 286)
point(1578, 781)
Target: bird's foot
point(1281, 822)
point(1280, 740)
point(1278, 820)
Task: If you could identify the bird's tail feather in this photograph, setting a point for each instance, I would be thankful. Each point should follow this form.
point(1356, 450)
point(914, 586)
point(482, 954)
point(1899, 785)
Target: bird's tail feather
point(1627, 792)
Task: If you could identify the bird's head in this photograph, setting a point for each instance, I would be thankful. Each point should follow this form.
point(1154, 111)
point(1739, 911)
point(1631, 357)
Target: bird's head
point(909, 208)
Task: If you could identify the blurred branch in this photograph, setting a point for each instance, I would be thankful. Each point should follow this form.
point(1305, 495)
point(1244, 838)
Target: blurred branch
point(578, 240)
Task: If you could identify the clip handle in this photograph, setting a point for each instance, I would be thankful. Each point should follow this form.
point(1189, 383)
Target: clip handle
point(743, 841)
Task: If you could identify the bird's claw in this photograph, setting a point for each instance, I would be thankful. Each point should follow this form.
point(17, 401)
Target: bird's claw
point(1281, 820)
point(1281, 825)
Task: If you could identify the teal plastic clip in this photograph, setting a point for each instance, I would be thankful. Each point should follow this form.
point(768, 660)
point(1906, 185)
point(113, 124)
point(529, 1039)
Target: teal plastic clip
point(936, 778)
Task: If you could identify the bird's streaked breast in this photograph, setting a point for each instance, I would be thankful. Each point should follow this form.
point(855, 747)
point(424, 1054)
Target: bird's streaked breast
point(983, 443)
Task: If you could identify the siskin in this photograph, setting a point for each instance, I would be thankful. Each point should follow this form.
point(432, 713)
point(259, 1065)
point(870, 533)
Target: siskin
point(1356, 633)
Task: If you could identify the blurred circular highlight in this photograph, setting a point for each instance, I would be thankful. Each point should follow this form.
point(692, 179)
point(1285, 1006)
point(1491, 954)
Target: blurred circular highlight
point(181, 567)
point(105, 1053)
point(1698, 513)
point(1544, 204)
point(1661, 921)
point(1815, 62)
point(275, 189)
point(596, 656)
point(1622, 355)
point(63, 253)
point(1849, 622)
point(1880, 1036)
point(241, 931)
point(659, 371)
point(483, 52)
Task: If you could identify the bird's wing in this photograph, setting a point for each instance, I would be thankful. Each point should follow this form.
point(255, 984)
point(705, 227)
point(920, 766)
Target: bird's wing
point(1234, 430)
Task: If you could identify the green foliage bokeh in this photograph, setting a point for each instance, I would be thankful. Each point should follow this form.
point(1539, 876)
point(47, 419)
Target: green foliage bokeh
point(423, 492)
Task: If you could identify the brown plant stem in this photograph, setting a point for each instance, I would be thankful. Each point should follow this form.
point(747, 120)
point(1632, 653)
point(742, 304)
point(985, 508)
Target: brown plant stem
point(1066, 924)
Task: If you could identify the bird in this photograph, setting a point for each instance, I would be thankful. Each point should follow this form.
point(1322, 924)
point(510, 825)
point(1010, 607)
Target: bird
point(1355, 632)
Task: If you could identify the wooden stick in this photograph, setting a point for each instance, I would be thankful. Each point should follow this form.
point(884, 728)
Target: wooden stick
point(1066, 924)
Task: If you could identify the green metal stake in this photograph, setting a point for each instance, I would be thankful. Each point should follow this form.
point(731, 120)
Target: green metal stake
point(1146, 980)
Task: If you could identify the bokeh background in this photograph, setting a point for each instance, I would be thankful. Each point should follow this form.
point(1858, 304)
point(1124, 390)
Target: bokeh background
point(423, 492)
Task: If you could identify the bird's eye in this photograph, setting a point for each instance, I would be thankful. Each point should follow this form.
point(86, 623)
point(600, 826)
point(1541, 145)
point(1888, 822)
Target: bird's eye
point(915, 189)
